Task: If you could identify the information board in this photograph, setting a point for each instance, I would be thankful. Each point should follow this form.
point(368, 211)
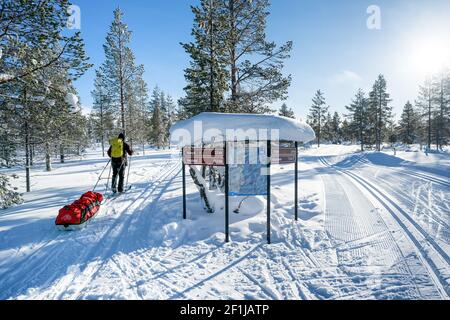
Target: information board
point(204, 156)
point(284, 155)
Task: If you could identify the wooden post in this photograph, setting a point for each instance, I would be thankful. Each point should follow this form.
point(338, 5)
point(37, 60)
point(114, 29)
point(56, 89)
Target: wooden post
point(184, 186)
point(227, 198)
point(296, 181)
point(269, 162)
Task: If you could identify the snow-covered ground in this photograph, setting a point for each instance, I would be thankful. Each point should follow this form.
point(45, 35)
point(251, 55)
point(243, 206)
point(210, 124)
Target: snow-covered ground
point(372, 226)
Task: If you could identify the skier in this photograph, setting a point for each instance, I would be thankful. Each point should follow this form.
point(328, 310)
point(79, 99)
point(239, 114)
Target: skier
point(118, 152)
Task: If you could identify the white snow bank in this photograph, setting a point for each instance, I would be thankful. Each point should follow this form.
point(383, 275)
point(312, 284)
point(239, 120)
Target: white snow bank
point(207, 127)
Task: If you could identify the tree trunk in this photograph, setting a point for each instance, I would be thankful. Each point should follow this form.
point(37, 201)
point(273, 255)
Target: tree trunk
point(362, 141)
point(211, 67)
point(319, 130)
point(61, 153)
point(27, 157)
point(31, 153)
point(441, 120)
point(48, 158)
point(27, 146)
point(429, 123)
point(233, 55)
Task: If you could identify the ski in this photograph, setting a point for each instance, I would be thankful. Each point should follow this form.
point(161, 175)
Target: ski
point(113, 196)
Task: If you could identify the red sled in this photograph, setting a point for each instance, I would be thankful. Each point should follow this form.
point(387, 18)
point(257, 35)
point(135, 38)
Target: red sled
point(80, 212)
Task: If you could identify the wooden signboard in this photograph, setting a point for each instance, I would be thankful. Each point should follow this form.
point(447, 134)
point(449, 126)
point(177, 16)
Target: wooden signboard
point(204, 156)
point(284, 156)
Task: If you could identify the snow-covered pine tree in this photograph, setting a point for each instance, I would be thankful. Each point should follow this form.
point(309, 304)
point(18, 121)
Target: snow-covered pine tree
point(408, 130)
point(358, 117)
point(157, 121)
point(102, 111)
point(157, 133)
point(9, 129)
point(347, 134)
point(392, 133)
point(446, 124)
point(317, 115)
point(255, 64)
point(56, 121)
point(426, 103)
point(170, 116)
point(287, 112)
point(119, 67)
point(442, 114)
point(33, 42)
point(327, 129)
point(380, 110)
point(135, 111)
point(141, 117)
point(336, 129)
point(231, 57)
point(8, 196)
point(31, 39)
point(206, 76)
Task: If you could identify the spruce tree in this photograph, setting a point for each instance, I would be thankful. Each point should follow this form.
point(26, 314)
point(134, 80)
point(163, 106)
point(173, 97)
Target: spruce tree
point(287, 112)
point(408, 131)
point(170, 117)
point(157, 132)
point(34, 46)
point(318, 114)
point(157, 122)
point(441, 87)
point(255, 64)
point(207, 76)
point(231, 57)
point(358, 110)
point(103, 111)
point(426, 103)
point(32, 40)
point(346, 130)
point(119, 67)
point(327, 129)
point(380, 110)
point(141, 117)
point(336, 129)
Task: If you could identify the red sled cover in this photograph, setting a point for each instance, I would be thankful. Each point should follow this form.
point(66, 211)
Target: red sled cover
point(80, 211)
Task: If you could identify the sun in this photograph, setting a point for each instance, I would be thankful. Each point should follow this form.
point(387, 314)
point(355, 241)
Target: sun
point(430, 55)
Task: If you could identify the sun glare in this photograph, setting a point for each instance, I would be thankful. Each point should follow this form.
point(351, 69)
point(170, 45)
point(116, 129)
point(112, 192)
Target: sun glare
point(430, 55)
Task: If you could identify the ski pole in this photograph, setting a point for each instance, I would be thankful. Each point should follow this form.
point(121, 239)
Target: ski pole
point(100, 177)
point(107, 181)
point(128, 175)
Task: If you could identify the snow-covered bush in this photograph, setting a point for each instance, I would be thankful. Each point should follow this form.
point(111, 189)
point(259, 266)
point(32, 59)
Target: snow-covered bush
point(8, 197)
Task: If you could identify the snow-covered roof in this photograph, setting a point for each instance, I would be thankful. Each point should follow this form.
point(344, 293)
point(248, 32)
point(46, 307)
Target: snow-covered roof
point(207, 126)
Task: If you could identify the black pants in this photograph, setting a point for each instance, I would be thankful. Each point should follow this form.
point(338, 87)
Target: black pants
point(118, 167)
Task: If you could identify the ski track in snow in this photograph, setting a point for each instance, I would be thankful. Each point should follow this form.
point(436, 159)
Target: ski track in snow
point(435, 259)
point(369, 239)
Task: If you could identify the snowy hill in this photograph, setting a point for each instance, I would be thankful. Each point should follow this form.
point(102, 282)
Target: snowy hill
point(373, 226)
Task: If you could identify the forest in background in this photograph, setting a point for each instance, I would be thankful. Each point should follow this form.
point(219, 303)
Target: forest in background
point(233, 68)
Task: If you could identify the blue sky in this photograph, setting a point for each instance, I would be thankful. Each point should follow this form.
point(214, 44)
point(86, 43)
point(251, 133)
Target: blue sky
point(333, 49)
